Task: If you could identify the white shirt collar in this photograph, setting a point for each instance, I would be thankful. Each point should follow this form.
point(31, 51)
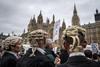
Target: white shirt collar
point(41, 50)
point(76, 54)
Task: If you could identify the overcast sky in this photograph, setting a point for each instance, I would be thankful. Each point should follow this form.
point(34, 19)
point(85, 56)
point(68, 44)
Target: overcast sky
point(15, 14)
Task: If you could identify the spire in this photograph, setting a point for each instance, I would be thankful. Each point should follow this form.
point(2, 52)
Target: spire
point(97, 16)
point(63, 24)
point(30, 25)
point(40, 18)
point(53, 19)
point(40, 13)
point(75, 10)
point(31, 22)
point(24, 31)
point(75, 18)
point(34, 20)
point(47, 21)
point(96, 11)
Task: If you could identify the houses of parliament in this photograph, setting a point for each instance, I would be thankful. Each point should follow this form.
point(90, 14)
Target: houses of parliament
point(92, 29)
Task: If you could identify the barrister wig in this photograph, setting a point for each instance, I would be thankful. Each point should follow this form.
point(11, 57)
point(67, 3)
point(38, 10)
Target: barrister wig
point(35, 35)
point(74, 36)
point(11, 41)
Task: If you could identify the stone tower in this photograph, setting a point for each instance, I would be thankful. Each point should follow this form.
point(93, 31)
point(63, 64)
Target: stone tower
point(63, 25)
point(52, 26)
point(40, 24)
point(97, 21)
point(75, 18)
point(40, 21)
point(93, 29)
point(61, 33)
point(97, 16)
point(32, 24)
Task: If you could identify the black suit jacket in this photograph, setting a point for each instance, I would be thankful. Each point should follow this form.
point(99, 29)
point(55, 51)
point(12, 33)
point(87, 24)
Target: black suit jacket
point(79, 61)
point(8, 60)
point(39, 60)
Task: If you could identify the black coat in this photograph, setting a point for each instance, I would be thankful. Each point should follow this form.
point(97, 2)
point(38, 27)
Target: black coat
point(51, 55)
point(64, 56)
point(79, 61)
point(8, 60)
point(99, 62)
point(39, 60)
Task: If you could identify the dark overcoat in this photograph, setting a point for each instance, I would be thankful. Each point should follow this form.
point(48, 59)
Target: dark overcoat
point(39, 60)
point(8, 60)
point(79, 61)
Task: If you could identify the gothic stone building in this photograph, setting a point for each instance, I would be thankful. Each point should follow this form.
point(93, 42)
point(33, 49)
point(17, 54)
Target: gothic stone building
point(48, 26)
point(40, 24)
point(93, 29)
point(92, 34)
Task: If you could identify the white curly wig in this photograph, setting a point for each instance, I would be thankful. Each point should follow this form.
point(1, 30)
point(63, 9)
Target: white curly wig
point(11, 41)
point(74, 32)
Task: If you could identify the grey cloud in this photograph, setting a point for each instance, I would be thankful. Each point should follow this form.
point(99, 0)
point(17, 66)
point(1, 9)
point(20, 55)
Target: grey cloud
point(15, 14)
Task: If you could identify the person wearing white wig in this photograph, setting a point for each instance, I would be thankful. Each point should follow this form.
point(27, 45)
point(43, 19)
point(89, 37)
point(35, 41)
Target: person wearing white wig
point(11, 47)
point(74, 37)
point(36, 55)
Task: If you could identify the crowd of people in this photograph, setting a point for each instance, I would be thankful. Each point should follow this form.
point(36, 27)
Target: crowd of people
point(41, 54)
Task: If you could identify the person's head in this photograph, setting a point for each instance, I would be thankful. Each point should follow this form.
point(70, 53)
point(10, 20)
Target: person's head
point(88, 53)
point(49, 43)
point(13, 43)
point(95, 56)
point(84, 44)
point(66, 45)
point(38, 38)
point(74, 37)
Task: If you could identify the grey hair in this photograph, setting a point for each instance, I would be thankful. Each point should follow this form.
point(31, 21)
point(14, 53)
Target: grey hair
point(49, 41)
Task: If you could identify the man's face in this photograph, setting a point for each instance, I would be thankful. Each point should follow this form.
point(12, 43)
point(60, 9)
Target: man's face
point(17, 47)
point(41, 43)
